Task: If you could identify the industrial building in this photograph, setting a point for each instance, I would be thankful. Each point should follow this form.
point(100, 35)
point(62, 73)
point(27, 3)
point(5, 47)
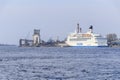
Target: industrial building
point(36, 42)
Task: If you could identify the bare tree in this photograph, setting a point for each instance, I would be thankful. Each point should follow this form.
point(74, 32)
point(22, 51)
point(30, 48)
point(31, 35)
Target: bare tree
point(111, 37)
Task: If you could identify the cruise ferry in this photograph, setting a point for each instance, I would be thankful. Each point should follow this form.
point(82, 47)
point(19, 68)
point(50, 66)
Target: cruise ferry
point(88, 39)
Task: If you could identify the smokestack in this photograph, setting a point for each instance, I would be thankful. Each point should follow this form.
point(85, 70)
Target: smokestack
point(91, 29)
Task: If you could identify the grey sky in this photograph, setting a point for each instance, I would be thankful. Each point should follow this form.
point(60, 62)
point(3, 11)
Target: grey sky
point(55, 18)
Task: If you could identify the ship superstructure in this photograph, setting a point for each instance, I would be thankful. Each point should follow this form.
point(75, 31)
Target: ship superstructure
point(86, 39)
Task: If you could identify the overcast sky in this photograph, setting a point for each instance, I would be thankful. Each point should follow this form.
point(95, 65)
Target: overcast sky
point(55, 18)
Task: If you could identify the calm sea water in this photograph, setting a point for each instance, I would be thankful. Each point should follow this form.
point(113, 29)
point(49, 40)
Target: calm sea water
point(53, 63)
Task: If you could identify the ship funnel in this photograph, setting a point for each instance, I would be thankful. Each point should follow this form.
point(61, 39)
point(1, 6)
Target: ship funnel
point(91, 29)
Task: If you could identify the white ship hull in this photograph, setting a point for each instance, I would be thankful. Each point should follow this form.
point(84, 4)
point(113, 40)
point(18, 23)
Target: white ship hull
point(85, 44)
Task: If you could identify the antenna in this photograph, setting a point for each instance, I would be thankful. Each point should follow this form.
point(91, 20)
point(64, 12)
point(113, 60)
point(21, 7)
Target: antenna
point(78, 29)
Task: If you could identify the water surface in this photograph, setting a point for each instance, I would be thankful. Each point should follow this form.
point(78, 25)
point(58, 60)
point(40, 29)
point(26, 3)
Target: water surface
point(53, 63)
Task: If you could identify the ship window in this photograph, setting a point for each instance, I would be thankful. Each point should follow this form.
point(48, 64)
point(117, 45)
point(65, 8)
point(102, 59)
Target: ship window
point(80, 39)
